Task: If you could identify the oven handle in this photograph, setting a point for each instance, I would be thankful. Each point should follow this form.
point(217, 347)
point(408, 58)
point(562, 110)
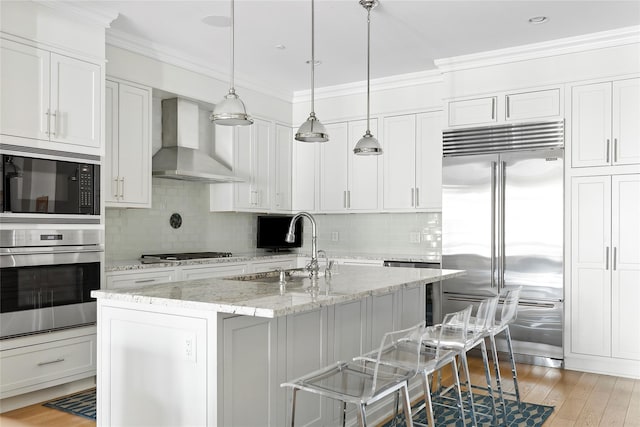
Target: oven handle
point(50, 250)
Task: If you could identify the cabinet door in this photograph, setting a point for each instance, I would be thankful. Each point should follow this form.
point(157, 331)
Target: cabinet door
point(532, 105)
point(75, 101)
point(591, 125)
point(245, 196)
point(249, 375)
point(428, 193)
point(111, 184)
point(472, 112)
point(209, 271)
point(414, 305)
point(134, 145)
point(262, 142)
point(333, 169)
point(117, 280)
point(399, 162)
point(590, 266)
point(625, 290)
point(24, 103)
point(305, 172)
point(626, 125)
point(363, 170)
point(282, 169)
point(383, 318)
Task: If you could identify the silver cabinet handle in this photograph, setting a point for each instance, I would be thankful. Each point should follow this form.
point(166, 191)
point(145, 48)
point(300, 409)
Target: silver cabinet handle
point(348, 198)
point(344, 199)
point(417, 197)
point(48, 114)
point(493, 108)
point(608, 149)
point(508, 107)
point(412, 197)
point(51, 361)
point(606, 258)
point(122, 188)
point(144, 280)
point(116, 193)
point(615, 150)
point(55, 123)
point(615, 257)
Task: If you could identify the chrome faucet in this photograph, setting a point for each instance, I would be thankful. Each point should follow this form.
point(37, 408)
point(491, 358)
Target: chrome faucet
point(327, 264)
point(290, 238)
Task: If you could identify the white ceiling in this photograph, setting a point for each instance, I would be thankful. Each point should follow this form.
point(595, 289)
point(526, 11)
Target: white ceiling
point(406, 35)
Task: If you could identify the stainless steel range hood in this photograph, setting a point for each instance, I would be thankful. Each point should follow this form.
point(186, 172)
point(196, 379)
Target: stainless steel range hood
point(179, 158)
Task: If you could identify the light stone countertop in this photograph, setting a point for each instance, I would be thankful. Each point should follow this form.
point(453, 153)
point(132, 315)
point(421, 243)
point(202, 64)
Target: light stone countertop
point(264, 299)
point(127, 265)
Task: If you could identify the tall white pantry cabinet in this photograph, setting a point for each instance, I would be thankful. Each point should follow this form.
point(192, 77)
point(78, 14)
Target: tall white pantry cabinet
point(603, 313)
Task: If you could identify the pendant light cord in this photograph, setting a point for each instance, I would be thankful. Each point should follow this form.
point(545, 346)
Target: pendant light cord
point(232, 44)
point(313, 58)
point(368, 62)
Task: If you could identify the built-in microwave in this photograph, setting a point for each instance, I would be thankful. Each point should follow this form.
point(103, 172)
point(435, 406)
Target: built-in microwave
point(45, 186)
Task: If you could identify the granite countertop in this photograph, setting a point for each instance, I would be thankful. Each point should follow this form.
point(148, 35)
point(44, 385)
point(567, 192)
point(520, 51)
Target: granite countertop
point(265, 299)
point(135, 264)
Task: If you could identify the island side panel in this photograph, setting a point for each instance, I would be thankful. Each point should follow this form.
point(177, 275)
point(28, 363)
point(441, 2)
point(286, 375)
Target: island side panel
point(154, 366)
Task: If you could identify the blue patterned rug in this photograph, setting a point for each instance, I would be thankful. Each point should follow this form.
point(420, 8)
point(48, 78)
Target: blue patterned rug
point(531, 415)
point(82, 404)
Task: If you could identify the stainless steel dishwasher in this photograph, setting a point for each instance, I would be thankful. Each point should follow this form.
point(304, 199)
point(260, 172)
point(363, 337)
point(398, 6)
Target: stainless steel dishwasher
point(434, 290)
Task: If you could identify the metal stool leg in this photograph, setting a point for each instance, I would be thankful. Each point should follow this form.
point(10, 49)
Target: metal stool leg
point(427, 399)
point(454, 367)
point(487, 374)
point(293, 407)
point(362, 419)
point(514, 374)
point(496, 366)
point(465, 366)
point(407, 405)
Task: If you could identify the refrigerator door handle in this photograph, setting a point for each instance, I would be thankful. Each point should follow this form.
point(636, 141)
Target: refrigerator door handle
point(501, 233)
point(493, 224)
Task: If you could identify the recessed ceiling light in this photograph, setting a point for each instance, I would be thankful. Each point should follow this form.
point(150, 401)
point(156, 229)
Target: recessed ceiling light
point(281, 46)
point(317, 62)
point(538, 20)
point(217, 21)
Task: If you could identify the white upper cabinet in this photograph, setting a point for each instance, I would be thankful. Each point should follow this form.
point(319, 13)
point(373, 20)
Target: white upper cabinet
point(605, 129)
point(253, 154)
point(364, 171)
point(334, 168)
point(505, 107)
point(413, 161)
point(471, 112)
point(50, 97)
point(128, 145)
point(304, 185)
point(282, 169)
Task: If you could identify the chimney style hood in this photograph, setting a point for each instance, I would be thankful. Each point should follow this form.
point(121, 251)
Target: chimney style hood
point(179, 157)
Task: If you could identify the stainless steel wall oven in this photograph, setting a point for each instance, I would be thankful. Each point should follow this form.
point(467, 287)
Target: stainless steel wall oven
point(46, 278)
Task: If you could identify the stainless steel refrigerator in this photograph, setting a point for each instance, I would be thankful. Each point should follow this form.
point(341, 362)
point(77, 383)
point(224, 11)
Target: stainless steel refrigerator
point(502, 222)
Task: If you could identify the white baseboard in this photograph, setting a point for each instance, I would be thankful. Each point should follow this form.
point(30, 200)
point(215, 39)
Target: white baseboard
point(603, 365)
point(22, 400)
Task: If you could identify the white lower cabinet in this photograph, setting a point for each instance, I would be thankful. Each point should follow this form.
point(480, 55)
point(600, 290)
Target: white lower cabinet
point(27, 365)
point(605, 272)
point(134, 278)
point(206, 271)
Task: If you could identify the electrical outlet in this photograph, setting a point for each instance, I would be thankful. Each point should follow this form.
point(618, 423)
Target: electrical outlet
point(414, 237)
point(335, 236)
point(190, 349)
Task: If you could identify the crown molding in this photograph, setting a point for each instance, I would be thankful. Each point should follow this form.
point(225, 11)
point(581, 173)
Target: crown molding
point(178, 58)
point(593, 41)
point(383, 83)
point(86, 11)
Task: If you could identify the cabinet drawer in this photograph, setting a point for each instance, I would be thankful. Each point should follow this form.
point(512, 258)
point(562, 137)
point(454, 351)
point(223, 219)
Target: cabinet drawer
point(472, 111)
point(533, 105)
point(194, 273)
point(24, 367)
point(119, 280)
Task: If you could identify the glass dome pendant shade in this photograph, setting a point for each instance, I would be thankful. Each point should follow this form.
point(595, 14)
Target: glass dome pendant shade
point(231, 110)
point(312, 130)
point(368, 145)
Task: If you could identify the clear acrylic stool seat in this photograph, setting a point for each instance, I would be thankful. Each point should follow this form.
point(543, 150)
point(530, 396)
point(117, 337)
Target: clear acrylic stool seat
point(365, 382)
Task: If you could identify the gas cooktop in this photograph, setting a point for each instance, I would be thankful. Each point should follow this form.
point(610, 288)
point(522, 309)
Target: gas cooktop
point(182, 256)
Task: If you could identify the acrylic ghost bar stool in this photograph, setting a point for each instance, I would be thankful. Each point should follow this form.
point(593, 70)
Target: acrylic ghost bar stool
point(363, 383)
point(476, 333)
point(508, 316)
point(432, 359)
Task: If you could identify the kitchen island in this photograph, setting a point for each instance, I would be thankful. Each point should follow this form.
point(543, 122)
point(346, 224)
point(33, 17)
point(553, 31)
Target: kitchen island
point(215, 351)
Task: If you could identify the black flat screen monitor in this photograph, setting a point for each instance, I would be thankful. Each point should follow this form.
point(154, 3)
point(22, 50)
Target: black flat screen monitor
point(272, 230)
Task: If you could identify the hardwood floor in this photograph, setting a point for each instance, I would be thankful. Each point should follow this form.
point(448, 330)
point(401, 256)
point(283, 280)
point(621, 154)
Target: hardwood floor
point(580, 399)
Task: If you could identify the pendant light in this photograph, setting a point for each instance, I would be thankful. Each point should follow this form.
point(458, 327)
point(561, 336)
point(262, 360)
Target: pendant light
point(231, 110)
point(368, 145)
point(312, 130)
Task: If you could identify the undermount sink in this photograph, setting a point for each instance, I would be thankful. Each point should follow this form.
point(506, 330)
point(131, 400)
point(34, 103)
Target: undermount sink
point(291, 275)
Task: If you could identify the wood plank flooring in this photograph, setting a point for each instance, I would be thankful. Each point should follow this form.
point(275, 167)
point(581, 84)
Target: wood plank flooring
point(580, 399)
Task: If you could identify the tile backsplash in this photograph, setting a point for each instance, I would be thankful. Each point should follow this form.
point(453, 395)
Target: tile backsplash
point(132, 232)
